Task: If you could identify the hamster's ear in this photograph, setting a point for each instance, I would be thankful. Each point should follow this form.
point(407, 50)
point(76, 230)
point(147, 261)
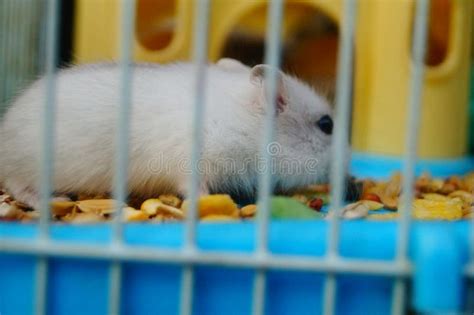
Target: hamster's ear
point(230, 64)
point(257, 77)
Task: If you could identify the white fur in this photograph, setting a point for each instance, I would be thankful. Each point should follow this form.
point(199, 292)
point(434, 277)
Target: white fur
point(160, 139)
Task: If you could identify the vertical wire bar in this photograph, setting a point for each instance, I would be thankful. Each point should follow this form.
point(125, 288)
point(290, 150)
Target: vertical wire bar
point(124, 110)
point(272, 58)
point(11, 44)
point(15, 73)
point(122, 147)
point(201, 25)
point(22, 47)
point(6, 45)
point(186, 298)
point(200, 62)
point(414, 113)
point(329, 298)
point(398, 297)
point(19, 31)
point(31, 34)
point(47, 154)
point(27, 10)
point(341, 139)
point(414, 107)
point(48, 136)
point(41, 278)
point(258, 307)
point(3, 52)
point(115, 287)
point(9, 38)
point(10, 47)
point(265, 185)
point(342, 116)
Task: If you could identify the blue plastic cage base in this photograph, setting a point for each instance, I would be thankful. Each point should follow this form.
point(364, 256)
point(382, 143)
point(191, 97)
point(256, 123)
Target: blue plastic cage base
point(365, 165)
point(438, 250)
point(437, 277)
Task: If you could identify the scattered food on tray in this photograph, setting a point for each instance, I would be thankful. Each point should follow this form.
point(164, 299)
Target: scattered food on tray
point(289, 208)
point(435, 199)
point(248, 211)
point(214, 204)
point(355, 210)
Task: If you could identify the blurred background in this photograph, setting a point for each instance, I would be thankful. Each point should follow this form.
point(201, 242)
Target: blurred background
point(89, 32)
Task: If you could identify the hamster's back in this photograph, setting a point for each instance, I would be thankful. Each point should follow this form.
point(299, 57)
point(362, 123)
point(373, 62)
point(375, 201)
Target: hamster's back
point(87, 101)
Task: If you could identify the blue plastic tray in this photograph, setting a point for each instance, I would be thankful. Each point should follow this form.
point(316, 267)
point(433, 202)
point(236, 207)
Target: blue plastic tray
point(438, 251)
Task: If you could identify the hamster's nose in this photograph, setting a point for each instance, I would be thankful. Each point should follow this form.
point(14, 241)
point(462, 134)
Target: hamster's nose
point(326, 124)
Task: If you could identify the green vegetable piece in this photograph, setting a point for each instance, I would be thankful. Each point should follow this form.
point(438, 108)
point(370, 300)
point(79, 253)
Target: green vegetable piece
point(289, 208)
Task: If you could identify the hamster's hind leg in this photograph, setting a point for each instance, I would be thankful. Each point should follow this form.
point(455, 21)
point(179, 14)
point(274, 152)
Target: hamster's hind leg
point(23, 193)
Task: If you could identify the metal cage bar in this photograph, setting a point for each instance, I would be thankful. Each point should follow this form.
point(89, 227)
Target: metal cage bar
point(127, 22)
point(123, 115)
point(3, 49)
point(47, 134)
point(265, 183)
point(201, 25)
point(17, 41)
point(47, 154)
point(414, 113)
point(200, 60)
point(21, 64)
point(7, 42)
point(341, 139)
point(149, 254)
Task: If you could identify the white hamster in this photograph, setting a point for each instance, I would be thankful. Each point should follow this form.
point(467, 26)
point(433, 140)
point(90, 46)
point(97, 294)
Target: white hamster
point(160, 131)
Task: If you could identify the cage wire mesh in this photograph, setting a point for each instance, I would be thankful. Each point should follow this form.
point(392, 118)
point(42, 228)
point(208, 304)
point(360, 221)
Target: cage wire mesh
point(30, 49)
point(22, 52)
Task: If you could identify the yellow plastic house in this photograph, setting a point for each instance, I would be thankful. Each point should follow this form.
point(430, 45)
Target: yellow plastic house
point(164, 33)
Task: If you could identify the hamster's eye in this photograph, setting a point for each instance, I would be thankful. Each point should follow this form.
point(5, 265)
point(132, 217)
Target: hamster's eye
point(325, 124)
